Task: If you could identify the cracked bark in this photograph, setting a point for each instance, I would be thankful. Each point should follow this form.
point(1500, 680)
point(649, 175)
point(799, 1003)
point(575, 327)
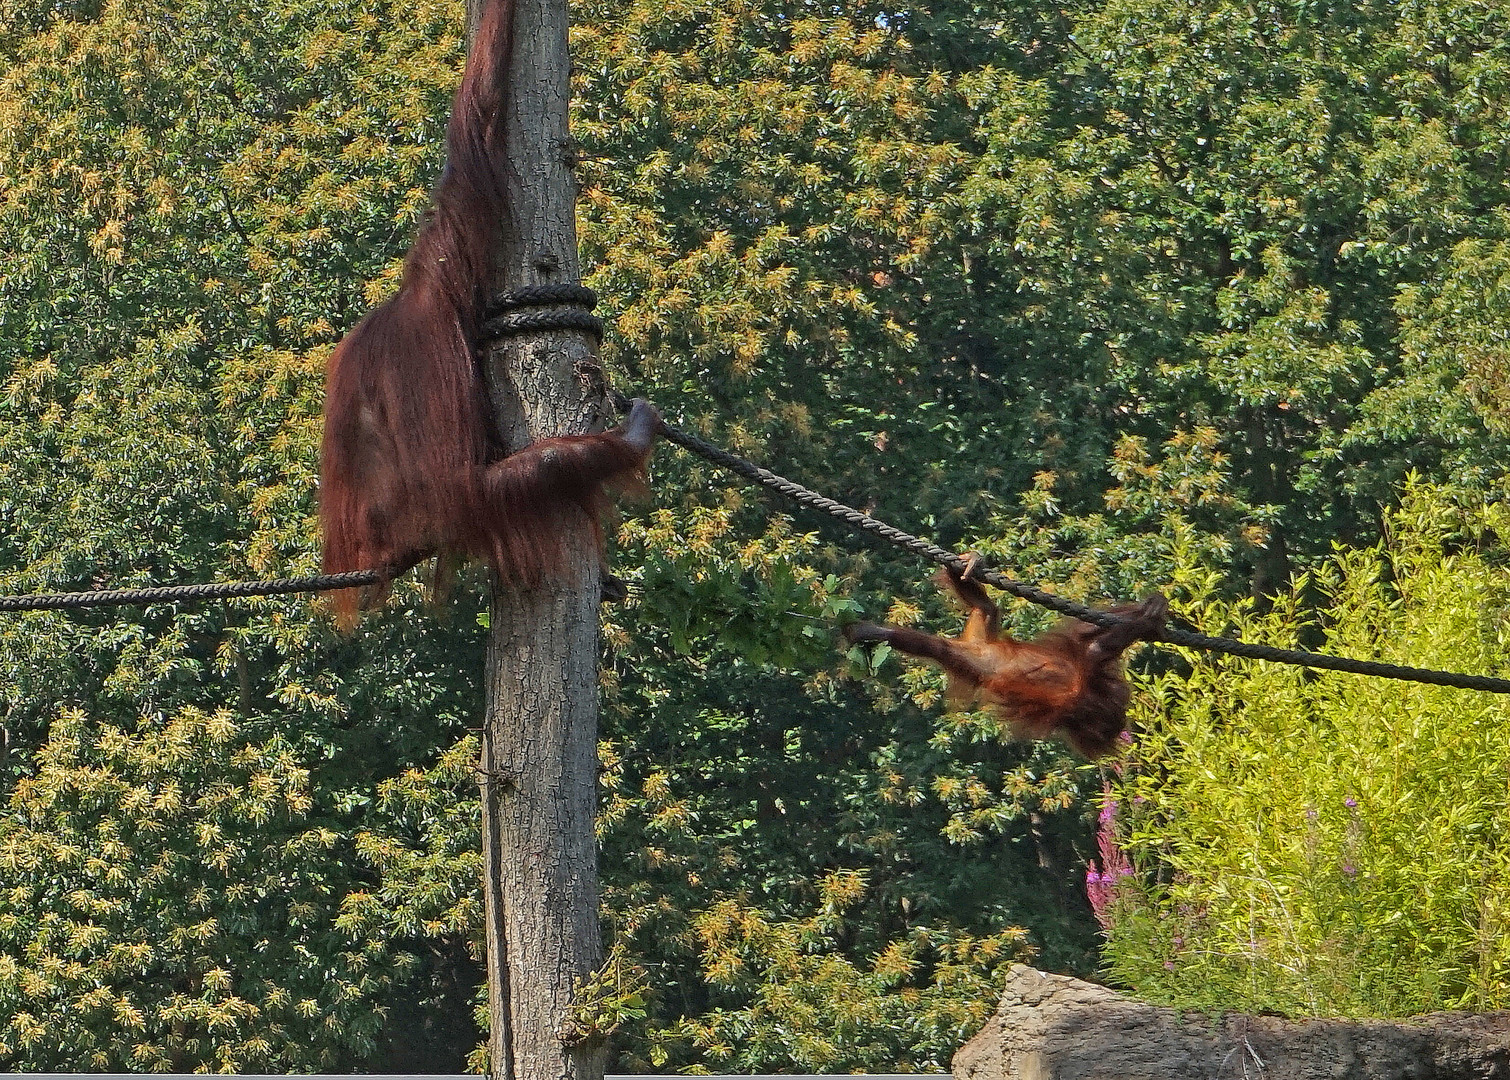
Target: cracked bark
point(539, 756)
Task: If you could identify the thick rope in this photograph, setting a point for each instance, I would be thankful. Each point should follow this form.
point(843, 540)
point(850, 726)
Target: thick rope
point(559, 306)
point(557, 317)
point(173, 594)
point(814, 501)
point(543, 296)
point(1170, 634)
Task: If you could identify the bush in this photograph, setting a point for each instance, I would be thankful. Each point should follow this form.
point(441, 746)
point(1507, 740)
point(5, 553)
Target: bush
point(1325, 844)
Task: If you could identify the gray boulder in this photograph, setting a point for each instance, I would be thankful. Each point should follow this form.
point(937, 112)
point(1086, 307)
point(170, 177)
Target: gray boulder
point(1052, 1027)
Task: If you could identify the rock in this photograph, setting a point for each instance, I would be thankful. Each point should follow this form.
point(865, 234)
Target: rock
point(1052, 1027)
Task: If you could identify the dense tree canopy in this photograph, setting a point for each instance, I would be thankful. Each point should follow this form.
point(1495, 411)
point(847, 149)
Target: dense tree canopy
point(1126, 294)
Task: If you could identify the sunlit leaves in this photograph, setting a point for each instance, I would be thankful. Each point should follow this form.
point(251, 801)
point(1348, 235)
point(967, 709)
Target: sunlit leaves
point(194, 198)
point(809, 1005)
point(1325, 845)
point(128, 840)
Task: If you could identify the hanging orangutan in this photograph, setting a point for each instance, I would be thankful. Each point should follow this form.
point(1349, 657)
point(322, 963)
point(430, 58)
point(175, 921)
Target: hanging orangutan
point(1068, 682)
point(410, 466)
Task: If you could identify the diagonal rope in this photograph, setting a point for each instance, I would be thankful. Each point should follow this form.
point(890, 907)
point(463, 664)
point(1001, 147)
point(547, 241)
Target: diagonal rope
point(813, 501)
point(1170, 634)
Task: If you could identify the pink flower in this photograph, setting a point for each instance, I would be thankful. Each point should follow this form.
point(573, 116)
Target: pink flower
point(1101, 880)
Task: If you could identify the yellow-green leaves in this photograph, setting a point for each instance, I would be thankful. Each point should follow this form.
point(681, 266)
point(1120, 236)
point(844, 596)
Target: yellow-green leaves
point(1327, 844)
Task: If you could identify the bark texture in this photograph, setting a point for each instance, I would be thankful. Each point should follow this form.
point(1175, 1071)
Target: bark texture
point(539, 758)
point(1052, 1027)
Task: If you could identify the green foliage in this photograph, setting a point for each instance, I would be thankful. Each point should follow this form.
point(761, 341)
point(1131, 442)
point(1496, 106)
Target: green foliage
point(1247, 216)
point(808, 882)
point(1125, 294)
point(168, 901)
point(1328, 845)
point(803, 1005)
point(609, 998)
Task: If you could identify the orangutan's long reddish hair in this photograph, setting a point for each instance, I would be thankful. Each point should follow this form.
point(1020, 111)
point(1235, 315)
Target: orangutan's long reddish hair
point(408, 467)
point(1068, 682)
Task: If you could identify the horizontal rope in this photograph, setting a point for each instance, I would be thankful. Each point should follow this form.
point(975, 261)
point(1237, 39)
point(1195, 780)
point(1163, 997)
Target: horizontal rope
point(1170, 635)
point(555, 306)
point(173, 594)
point(542, 318)
point(560, 292)
point(814, 501)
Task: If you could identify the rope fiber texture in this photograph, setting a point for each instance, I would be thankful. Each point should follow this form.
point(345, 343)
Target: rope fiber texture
point(171, 594)
point(560, 306)
point(552, 295)
point(1170, 635)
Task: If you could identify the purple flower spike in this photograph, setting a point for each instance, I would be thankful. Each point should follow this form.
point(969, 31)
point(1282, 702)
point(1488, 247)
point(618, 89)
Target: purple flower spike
point(1101, 880)
point(1350, 802)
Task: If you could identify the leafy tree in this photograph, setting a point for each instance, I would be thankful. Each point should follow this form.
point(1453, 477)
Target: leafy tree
point(796, 1001)
point(1238, 215)
point(169, 904)
point(192, 197)
point(1124, 294)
